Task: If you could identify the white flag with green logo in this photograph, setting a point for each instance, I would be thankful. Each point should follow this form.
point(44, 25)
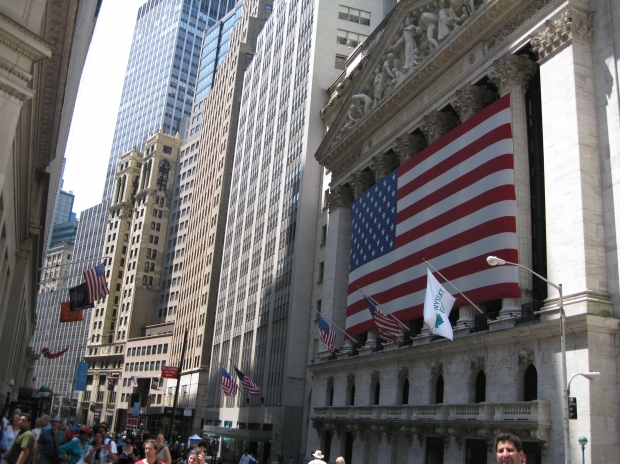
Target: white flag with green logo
point(437, 306)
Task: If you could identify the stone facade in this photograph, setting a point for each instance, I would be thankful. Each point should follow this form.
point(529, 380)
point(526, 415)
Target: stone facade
point(369, 402)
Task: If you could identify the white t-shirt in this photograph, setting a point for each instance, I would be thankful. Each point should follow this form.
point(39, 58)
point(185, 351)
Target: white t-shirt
point(110, 442)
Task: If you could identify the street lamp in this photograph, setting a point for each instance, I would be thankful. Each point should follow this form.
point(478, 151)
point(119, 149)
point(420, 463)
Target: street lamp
point(587, 375)
point(495, 261)
point(583, 441)
point(44, 393)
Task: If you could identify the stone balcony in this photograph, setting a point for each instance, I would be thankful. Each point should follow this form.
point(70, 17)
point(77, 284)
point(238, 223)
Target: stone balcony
point(529, 420)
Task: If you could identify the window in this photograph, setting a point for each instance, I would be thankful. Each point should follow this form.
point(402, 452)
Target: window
point(377, 393)
point(351, 39)
point(352, 396)
point(530, 384)
point(405, 399)
point(268, 8)
point(324, 233)
point(321, 269)
point(481, 387)
point(439, 390)
point(353, 15)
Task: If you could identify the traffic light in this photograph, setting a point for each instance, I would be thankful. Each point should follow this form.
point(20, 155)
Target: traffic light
point(572, 407)
point(112, 383)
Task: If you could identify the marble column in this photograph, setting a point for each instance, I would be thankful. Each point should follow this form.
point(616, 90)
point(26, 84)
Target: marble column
point(407, 146)
point(382, 164)
point(467, 101)
point(436, 124)
point(336, 265)
point(511, 74)
point(573, 193)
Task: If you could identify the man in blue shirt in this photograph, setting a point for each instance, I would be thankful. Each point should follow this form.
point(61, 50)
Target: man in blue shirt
point(49, 443)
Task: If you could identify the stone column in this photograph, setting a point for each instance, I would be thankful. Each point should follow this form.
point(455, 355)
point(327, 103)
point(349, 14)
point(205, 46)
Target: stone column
point(407, 146)
point(436, 125)
point(468, 100)
point(382, 164)
point(337, 251)
point(511, 74)
point(573, 194)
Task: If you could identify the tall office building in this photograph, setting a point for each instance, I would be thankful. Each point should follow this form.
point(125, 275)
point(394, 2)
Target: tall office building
point(194, 245)
point(264, 297)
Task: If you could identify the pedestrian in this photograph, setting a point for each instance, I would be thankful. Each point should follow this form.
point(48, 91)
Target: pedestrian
point(318, 458)
point(76, 450)
point(247, 458)
point(4, 413)
point(45, 422)
point(3, 444)
point(290, 460)
point(23, 446)
point(12, 431)
point(508, 449)
point(47, 449)
point(340, 460)
point(103, 428)
point(163, 453)
point(128, 454)
point(99, 452)
point(150, 450)
point(37, 429)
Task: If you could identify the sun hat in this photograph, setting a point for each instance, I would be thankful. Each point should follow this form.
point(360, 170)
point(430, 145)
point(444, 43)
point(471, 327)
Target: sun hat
point(317, 454)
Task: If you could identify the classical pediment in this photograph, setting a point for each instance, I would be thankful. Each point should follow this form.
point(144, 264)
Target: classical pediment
point(422, 40)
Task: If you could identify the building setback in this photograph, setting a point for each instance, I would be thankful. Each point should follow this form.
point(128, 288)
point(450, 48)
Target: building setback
point(264, 296)
point(201, 197)
point(418, 91)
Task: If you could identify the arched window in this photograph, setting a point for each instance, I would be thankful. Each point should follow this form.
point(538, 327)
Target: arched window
point(352, 398)
point(481, 387)
point(331, 396)
point(439, 390)
point(377, 393)
point(162, 175)
point(530, 384)
point(406, 391)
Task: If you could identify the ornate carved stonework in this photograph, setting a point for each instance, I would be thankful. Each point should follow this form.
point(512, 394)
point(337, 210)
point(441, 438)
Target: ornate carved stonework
point(346, 164)
point(470, 99)
point(571, 24)
point(436, 369)
point(437, 124)
point(477, 363)
point(526, 356)
point(360, 181)
point(374, 376)
point(350, 379)
point(330, 381)
point(338, 196)
point(13, 92)
point(511, 72)
point(403, 373)
point(511, 26)
point(408, 145)
point(382, 164)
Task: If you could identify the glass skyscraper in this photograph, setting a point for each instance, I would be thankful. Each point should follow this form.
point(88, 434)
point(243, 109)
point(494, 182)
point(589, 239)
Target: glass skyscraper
point(161, 72)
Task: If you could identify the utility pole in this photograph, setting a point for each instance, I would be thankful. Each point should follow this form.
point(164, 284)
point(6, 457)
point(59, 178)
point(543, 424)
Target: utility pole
point(176, 393)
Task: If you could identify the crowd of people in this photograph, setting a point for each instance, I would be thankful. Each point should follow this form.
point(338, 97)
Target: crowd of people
point(46, 441)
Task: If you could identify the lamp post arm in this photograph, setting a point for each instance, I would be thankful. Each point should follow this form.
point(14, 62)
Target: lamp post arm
point(557, 287)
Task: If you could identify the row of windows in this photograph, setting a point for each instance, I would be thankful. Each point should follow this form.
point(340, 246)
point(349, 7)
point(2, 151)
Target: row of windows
point(147, 350)
point(351, 39)
point(144, 366)
point(354, 15)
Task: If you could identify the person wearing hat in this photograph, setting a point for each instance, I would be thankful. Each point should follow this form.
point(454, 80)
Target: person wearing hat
point(318, 458)
point(48, 445)
point(75, 450)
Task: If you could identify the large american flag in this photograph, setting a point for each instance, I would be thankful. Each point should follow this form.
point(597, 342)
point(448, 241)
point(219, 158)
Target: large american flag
point(453, 204)
point(326, 333)
point(228, 383)
point(250, 386)
point(95, 283)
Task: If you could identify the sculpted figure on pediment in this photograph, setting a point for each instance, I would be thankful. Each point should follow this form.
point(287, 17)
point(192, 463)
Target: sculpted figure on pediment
point(428, 23)
point(445, 21)
point(407, 45)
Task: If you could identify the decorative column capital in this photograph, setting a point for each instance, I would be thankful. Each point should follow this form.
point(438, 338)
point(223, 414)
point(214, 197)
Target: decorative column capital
point(360, 181)
point(338, 196)
point(470, 99)
point(477, 363)
point(403, 372)
point(382, 164)
point(407, 146)
point(437, 124)
point(511, 73)
point(374, 376)
point(570, 24)
point(330, 381)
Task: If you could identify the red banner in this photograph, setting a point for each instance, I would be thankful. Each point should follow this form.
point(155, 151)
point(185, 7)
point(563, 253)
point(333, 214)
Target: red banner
point(170, 372)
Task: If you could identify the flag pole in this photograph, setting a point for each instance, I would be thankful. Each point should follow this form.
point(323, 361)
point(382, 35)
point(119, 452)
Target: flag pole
point(345, 334)
point(176, 393)
point(464, 296)
point(404, 327)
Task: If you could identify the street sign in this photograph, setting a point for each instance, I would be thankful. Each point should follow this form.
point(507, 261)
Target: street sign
point(572, 407)
point(169, 372)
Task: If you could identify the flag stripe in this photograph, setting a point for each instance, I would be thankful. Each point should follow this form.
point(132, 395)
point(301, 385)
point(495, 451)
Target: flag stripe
point(454, 205)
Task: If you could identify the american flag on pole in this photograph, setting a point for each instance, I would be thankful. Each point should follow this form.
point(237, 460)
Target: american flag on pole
point(453, 204)
point(327, 334)
point(250, 386)
point(389, 329)
point(134, 381)
point(95, 283)
point(228, 383)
